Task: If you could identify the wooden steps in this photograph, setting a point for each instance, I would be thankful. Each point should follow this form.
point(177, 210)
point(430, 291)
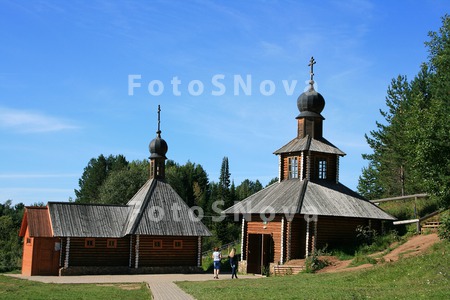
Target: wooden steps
point(430, 226)
point(281, 270)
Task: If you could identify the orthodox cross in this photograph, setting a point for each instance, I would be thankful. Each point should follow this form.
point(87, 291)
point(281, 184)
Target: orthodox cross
point(159, 121)
point(312, 62)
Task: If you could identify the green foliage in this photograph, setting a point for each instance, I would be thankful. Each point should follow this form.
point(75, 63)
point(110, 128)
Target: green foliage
point(365, 235)
point(444, 228)
point(190, 181)
point(95, 174)
point(411, 153)
point(10, 244)
point(247, 188)
point(313, 263)
point(411, 209)
point(121, 185)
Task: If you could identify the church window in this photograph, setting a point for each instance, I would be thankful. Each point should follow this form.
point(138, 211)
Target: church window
point(293, 167)
point(111, 243)
point(157, 244)
point(178, 244)
point(322, 169)
point(89, 243)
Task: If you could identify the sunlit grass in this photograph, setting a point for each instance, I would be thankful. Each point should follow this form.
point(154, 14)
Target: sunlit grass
point(422, 277)
point(14, 288)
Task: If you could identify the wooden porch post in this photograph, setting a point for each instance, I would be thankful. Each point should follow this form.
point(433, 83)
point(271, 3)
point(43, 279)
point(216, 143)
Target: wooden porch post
point(66, 259)
point(307, 239)
point(282, 241)
point(243, 247)
point(131, 252)
point(288, 241)
point(199, 251)
point(136, 262)
point(315, 234)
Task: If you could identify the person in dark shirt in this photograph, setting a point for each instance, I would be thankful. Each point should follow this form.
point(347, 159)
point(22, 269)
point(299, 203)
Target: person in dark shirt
point(233, 263)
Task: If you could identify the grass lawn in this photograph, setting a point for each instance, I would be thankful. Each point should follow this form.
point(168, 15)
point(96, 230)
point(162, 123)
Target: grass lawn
point(422, 277)
point(13, 288)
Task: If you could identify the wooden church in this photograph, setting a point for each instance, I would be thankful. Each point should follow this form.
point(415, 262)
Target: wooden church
point(307, 208)
point(155, 232)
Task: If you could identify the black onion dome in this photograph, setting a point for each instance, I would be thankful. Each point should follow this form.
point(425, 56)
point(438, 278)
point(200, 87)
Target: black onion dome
point(310, 104)
point(158, 147)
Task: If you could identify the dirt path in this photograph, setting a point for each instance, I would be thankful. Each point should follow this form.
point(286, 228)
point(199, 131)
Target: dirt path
point(414, 246)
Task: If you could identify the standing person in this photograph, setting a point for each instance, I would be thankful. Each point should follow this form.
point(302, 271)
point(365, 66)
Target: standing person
point(217, 256)
point(233, 262)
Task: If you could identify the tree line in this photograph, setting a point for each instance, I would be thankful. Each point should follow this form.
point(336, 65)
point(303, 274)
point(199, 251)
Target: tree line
point(114, 180)
point(410, 147)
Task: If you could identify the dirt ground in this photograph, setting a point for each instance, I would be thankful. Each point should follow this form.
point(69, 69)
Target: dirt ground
point(414, 246)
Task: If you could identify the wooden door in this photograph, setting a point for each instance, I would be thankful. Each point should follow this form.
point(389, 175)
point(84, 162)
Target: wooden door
point(47, 256)
point(259, 253)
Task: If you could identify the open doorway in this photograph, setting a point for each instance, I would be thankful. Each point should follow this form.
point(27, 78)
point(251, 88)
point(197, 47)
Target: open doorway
point(260, 252)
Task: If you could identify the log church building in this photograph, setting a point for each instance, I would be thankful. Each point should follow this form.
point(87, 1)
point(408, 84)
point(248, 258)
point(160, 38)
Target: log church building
point(308, 208)
point(155, 232)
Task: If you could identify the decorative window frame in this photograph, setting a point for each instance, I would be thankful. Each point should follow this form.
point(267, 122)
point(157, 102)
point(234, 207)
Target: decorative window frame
point(157, 244)
point(178, 244)
point(111, 243)
point(293, 167)
point(89, 243)
point(322, 166)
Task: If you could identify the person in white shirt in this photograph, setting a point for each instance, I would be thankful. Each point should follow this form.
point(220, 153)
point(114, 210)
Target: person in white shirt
point(217, 256)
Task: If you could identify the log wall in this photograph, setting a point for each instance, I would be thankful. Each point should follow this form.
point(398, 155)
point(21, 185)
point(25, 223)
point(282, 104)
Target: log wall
point(256, 226)
point(167, 255)
point(100, 255)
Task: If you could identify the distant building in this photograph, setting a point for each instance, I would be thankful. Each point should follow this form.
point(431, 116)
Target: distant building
point(308, 208)
point(155, 232)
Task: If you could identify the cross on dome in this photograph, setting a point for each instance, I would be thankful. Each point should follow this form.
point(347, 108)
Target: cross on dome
point(312, 62)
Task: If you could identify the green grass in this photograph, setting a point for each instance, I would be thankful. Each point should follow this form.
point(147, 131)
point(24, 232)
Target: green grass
point(13, 288)
point(422, 277)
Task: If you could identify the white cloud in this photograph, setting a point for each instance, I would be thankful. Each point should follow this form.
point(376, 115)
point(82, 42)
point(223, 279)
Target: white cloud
point(31, 122)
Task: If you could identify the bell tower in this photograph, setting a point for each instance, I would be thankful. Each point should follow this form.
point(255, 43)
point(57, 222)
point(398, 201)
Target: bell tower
point(158, 149)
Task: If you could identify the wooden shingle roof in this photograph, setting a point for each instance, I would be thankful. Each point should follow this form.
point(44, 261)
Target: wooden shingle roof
point(156, 209)
point(38, 222)
point(309, 198)
point(87, 220)
point(308, 143)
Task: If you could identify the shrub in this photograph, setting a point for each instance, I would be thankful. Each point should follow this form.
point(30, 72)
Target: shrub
point(444, 228)
point(313, 263)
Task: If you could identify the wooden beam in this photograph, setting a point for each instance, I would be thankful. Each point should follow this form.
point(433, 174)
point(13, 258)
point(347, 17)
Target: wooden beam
point(406, 222)
point(415, 196)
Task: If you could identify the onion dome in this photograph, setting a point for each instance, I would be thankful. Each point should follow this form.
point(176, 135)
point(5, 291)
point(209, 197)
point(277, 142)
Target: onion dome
point(310, 103)
point(158, 146)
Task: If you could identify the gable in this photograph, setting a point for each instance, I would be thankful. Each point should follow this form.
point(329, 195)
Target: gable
point(37, 220)
point(157, 209)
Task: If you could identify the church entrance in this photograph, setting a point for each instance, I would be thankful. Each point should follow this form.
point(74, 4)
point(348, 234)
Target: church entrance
point(260, 253)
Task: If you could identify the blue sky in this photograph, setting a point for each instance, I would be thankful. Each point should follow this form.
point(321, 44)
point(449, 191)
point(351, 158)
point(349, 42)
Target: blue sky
point(65, 69)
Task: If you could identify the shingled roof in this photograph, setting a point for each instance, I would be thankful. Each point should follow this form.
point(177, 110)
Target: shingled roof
point(87, 220)
point(296, 196)
point(308, 143)
point(38, 222)
point(156, 209)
